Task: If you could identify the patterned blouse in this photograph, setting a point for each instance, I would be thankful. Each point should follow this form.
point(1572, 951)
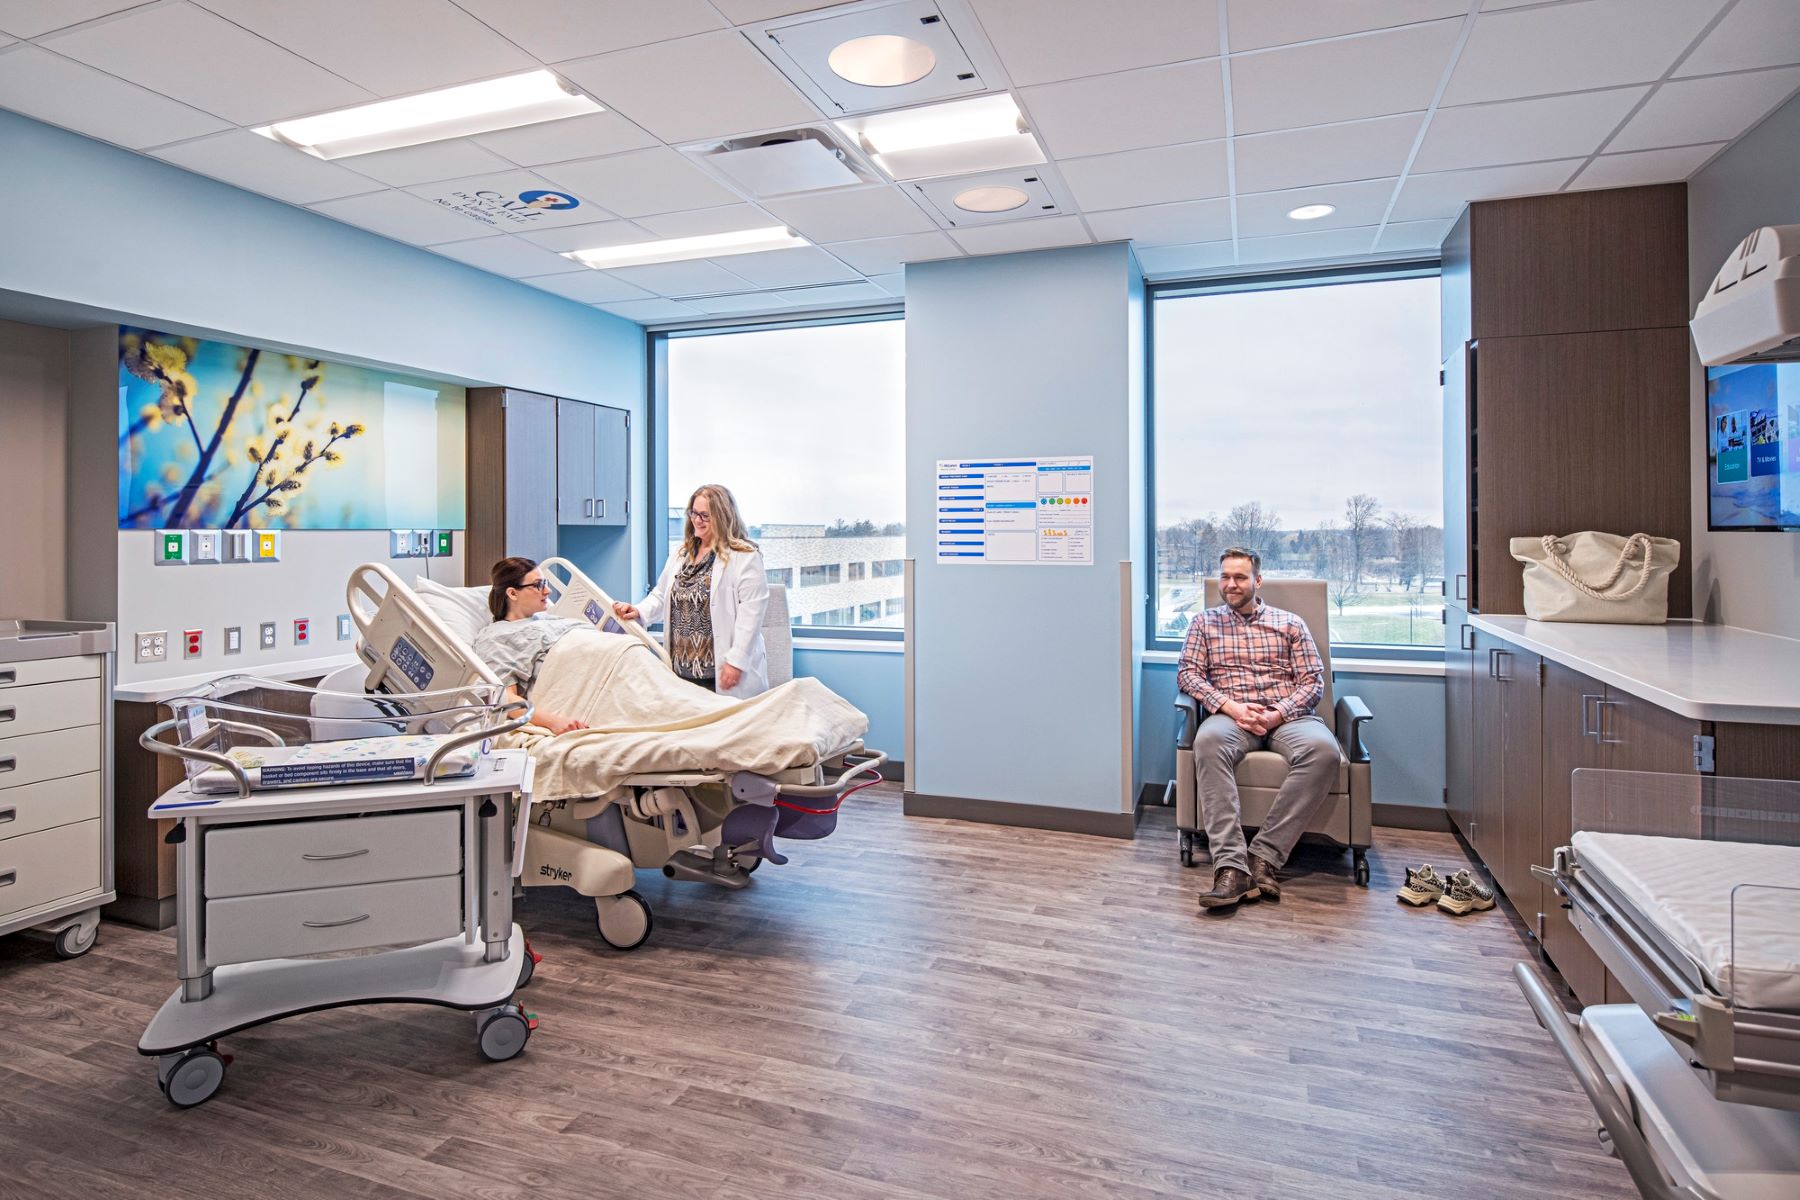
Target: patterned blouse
point(690, 620)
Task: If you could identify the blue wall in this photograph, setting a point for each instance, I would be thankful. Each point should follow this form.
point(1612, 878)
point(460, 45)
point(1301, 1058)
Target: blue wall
point(873, 681)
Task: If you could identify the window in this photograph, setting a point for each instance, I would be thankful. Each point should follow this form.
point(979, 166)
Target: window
point(782, 575)
point(896, 605)
point(1302, 418)
point(887, 568)
point(763, 410)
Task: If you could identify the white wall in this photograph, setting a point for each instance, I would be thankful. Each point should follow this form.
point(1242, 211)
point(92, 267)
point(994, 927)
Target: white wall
point(34, 392)
point(1751, 580)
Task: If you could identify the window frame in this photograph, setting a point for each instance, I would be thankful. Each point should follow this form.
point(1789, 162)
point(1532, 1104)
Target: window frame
point(1343, 654)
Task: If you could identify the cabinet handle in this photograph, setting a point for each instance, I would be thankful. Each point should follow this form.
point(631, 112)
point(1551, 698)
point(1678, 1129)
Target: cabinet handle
point(587, 508)
point(1587, 729)
point(1462, 587)
point(8, 714)
point(8, 764)
point(8, 815)
point(1494, 657)
point(1600, 722)
point(600, 508)
point(334, 857)
point(335, 924)
point(8, 878)
point(1466, 639)
point(9, 676)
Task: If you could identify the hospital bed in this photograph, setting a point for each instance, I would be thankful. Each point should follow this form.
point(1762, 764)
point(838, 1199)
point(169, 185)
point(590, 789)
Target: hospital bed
point(704, 826)
point(1697, 1080)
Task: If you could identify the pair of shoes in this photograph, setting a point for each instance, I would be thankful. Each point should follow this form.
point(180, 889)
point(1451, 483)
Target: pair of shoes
point(1459, 894)
point(1230, 885)
point(1262, 874)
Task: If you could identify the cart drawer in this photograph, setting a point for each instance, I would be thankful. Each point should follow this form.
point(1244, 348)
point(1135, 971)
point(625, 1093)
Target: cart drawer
point(49, 804)
point(252, 860)
point(46, 706)
point(49, 865)
point(47, 670)
point(286, 924)
point(39, 756)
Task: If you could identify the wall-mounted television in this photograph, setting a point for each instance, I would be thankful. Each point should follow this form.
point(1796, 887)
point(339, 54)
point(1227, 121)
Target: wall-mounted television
point(1753, 447)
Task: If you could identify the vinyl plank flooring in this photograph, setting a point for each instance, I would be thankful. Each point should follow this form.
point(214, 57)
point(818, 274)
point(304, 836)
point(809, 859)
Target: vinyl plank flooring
point(914, 1009)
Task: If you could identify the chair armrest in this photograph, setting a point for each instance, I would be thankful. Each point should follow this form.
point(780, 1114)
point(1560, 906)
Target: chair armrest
point(1351, 713)
point(1189, 708)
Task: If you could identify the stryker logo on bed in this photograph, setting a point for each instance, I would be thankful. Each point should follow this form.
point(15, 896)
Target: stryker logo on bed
point(556, 873)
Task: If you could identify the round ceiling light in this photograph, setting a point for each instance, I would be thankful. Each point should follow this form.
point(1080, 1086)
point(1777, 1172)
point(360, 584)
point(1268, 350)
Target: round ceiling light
point(1312, 212)
point(992, 199)
point(882, 60)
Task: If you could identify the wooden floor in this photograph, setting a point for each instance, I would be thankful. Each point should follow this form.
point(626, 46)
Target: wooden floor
point(914, 1008)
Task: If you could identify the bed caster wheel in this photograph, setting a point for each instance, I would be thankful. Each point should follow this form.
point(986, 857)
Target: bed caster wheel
point(623, 920)
point(502, 1032)
point(1187, 849)
point(1606, 1142)
point(191, 1077)
point(76, 940)
point(1362, 869)
point(528, 968)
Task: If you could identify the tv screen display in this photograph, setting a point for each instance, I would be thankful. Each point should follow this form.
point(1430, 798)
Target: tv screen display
point(1753, 446)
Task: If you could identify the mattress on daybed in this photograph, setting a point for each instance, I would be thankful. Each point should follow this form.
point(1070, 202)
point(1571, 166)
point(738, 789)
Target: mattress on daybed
point(1683, 888)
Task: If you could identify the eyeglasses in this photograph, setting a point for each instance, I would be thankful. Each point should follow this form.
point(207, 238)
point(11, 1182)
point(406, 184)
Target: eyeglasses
point(699, 518)
point(542, 585)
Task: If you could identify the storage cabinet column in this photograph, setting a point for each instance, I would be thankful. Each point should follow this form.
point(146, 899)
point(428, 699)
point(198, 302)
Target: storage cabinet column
point(1570, 743)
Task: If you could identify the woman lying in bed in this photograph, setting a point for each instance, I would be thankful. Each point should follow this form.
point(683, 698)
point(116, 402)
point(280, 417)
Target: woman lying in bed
point(514, 646)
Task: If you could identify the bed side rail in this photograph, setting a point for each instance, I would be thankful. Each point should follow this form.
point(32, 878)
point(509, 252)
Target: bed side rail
point(406, 648)
point(577, 596)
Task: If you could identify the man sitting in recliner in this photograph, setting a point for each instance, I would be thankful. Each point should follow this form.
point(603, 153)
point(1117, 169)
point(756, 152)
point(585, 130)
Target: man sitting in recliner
point(1256, 672)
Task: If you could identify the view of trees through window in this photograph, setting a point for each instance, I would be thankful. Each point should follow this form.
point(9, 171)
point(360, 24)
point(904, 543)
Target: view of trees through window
point(1304, 423)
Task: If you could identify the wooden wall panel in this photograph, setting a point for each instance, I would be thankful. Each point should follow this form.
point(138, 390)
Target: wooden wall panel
point(485, 542)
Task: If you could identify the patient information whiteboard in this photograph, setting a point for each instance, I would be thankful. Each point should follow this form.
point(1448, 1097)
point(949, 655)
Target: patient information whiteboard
point(1016, 510)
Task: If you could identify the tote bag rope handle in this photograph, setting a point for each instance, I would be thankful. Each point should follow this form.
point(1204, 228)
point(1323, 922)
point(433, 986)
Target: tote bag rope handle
point(1556, 562)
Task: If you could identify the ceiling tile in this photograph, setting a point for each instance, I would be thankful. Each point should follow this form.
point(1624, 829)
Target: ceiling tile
point(29, 18)
point(893, 285)
point(42, 85)
point(798, 267)
point(1256, 24)
point(693, 278)
point(1176, 260)
point(641, 183)
point(424, 164)
point(836, 295)
point(1165, 224)
point(741, 302)
point(589, 287)
point(1425, 197)
point(1517, 131)
point(1158, 107)
point(1757, 33)
point(1413, 235)
point(1645, 166)
point(1304, 247)
point(502, 201)
point(1569, 47)
point(253, 162)
point(1324, 153)
point(401, 216)
point(379, 46)
point(556, 30)
point(850, 215)
point(1375, 75)
point(652, 310)
point(654, 86)
point(1688, 111)
point(1042, 40)
point(509, 256)
point(592, 136)
point(732, 218)
point(1138, 177)
point(592, 236)
point(743, 12)
point(1038, 234)
point(192, 56)
point(1357, 204)
point(886, 255)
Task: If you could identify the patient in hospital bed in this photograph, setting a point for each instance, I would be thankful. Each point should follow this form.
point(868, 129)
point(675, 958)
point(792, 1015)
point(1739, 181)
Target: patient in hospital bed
point(515, 645)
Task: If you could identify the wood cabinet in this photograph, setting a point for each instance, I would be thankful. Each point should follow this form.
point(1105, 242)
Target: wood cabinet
point(1569, 703)
point(1506, 741)
point(1459, 713)
point(592, 451)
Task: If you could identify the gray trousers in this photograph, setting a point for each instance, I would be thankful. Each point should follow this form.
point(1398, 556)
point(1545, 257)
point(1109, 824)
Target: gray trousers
point(1220, 745)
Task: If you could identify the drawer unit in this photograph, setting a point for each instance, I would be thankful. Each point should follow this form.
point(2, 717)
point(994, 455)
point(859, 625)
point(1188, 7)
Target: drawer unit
point(39, 756)
point(42, 707)
point(46, 805)
point(323, 920)
point(47, 670)
point(251, 860)
point(51, 865)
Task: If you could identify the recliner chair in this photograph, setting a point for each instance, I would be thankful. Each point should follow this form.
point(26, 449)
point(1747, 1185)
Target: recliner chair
point(1345, 817)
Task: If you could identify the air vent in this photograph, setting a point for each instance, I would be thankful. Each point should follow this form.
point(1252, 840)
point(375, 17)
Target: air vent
point(783, 163)
point(875, 56)
point(992, 197)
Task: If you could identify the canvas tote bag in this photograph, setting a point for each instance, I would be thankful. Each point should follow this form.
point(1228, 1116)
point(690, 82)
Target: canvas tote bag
point(1597, 577)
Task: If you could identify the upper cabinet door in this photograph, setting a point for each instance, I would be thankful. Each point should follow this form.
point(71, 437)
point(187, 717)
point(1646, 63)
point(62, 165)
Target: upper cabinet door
point(574, 463)
point(1458, 463)
point(612, 466)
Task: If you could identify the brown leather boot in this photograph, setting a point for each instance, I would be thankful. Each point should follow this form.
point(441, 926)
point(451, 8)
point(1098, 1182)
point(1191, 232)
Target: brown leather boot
point(1230, 885)
point(1262, 874)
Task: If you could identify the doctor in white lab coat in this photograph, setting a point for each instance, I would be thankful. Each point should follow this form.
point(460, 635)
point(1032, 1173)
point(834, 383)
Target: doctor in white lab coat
point(711, 599)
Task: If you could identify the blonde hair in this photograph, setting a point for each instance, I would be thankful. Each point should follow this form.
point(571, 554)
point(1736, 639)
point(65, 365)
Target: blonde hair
point(728, 532)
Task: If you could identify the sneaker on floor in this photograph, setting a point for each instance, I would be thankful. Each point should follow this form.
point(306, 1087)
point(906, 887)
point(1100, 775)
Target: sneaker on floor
point(1463, 893)
point(1423, 885)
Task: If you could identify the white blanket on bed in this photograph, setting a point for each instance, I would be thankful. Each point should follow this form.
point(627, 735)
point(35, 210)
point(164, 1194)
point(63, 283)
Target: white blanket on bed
point(644, 720)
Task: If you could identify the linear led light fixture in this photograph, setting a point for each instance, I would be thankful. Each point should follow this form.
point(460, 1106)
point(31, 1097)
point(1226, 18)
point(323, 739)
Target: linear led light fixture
point(961, 137)
point(467, 108)
point(712, 245)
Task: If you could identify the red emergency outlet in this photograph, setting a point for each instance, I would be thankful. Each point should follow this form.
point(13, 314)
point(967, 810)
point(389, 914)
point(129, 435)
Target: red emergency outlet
point(301, 625)
point(191, 639)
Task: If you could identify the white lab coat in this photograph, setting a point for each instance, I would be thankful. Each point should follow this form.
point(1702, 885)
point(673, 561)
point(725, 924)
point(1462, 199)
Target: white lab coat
point(740, 597)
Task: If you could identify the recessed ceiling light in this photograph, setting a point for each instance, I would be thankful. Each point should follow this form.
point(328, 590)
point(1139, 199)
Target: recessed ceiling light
point(713, 245)
point(1312, 212)
point(992, 199)
point(961, 137)
point(460, 111)
point(882, 60)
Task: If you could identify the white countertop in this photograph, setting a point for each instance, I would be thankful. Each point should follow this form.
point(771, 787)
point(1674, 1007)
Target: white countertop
point(155, 691)
point(1707, 672)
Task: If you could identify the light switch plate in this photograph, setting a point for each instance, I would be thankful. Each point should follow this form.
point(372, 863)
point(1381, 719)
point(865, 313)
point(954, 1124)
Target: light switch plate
point(236, 545)
point(266, 635)
point(203, 545)
point(153, 646)
point(400, 543)
point(171, 548)
point(234, 639)
point(343, 627)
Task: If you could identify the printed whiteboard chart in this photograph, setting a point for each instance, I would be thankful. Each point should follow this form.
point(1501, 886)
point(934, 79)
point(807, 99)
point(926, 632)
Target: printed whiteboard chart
point(1030, 510)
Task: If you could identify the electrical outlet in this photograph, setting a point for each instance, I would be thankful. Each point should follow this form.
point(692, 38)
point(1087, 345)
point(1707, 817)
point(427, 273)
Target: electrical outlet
point(190, 643)
point(234, 639)
point(421, 543)
point(443, 543)
point(266, 635)
point(400, 543)
point(153, 647)
point(267, 546)
point(302, 631)
point(343, 627)
point(203, 546)
point(171, 548)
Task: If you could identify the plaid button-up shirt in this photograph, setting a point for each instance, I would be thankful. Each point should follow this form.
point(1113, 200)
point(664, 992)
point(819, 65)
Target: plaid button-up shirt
point(1268, 658)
